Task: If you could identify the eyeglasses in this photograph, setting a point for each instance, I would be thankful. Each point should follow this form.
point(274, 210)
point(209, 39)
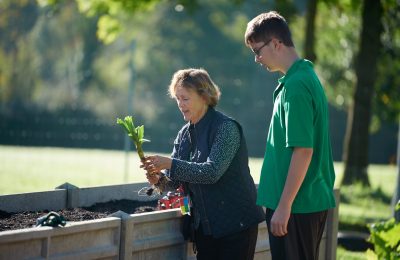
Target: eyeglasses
point(257, 52)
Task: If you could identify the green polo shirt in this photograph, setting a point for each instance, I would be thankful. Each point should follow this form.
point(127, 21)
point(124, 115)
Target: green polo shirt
point(299, 119)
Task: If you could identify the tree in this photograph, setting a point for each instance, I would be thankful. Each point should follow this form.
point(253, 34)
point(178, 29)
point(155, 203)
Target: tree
point(387, 99)
point(376, 95)
point(181, 38)
point(111, 12)
point(396, 194)
point(355, 153)
point(309, 46)
point(15, 70)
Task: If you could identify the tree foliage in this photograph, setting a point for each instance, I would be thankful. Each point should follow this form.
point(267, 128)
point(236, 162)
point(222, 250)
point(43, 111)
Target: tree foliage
point(337, 49)
point(78, 54)
point(386, 104)
point(15, 23)
point(355, 153)
point(357, 69)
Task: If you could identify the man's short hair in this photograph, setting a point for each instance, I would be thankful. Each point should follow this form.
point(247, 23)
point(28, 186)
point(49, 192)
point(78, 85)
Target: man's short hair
point(266, 26)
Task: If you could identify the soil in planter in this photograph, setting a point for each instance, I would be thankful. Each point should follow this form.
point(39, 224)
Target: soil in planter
point(11, 221)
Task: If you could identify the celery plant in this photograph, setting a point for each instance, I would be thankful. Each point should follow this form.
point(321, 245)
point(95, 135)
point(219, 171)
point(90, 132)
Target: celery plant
point(135, 133)
point(137, 136)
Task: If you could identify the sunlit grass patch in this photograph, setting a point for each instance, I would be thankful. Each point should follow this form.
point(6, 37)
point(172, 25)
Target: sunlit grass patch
point(343, 254)
point(360, 205)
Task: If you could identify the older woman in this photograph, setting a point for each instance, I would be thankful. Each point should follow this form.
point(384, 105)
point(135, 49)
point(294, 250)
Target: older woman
point(210, 159)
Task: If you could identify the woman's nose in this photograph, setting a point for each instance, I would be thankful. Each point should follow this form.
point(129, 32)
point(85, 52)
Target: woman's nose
point(179, 104)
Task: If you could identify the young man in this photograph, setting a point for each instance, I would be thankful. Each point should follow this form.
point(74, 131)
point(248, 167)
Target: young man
point(297, 177)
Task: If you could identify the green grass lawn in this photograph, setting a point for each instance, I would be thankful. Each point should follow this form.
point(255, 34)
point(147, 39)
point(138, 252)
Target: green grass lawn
point(28, 169)
point(343, 254)
point(360, 206)
point(31, 169)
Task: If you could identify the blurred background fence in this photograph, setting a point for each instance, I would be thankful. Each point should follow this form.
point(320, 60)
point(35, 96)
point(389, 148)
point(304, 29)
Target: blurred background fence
point(82, 129)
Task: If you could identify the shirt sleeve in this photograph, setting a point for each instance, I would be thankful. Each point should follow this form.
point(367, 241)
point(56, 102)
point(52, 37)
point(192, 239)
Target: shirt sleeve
point(226, 144)
point(299, 116)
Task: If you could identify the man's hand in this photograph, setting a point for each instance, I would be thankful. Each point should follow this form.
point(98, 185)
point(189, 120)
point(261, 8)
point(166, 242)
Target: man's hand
point(279, 221)
point(299, 163)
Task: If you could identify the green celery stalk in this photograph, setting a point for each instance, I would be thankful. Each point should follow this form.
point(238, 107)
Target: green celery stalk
point(137, 136)
point(135, 133)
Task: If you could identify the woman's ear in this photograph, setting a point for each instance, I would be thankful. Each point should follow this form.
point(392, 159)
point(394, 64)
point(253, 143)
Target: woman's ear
point(204, 98)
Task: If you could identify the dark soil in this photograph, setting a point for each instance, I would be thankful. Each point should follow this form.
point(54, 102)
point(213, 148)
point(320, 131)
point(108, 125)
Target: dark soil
point(11, 221)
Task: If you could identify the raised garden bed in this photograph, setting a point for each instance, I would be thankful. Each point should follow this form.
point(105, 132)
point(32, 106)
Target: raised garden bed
point(123, 235)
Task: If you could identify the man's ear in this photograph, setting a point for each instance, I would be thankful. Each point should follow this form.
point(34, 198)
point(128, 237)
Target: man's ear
point(277, 44)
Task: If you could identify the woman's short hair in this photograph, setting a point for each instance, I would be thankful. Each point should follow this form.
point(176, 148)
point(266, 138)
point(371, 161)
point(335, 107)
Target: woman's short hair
point(197, 80)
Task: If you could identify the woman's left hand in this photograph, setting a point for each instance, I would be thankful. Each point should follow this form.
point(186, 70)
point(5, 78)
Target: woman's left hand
point(156, 163)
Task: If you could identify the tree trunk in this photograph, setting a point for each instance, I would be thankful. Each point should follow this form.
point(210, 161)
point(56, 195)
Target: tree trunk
point(396, 194)
point(355, 154)
point(309, 48)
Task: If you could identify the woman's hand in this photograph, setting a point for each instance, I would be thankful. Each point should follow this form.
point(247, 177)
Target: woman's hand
point(153, 166)
point(156, 163)
point(153, 178)
point(152, 175)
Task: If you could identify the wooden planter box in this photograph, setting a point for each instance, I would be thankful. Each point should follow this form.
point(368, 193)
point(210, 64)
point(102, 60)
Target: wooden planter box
point(93, 239)
point(152, 235)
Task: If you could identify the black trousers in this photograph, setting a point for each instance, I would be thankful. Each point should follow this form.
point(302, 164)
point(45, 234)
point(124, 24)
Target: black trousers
point(240, 246)
point(303, 237)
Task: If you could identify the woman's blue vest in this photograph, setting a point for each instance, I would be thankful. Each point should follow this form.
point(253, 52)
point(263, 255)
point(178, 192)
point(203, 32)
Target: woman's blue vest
point(229, 205)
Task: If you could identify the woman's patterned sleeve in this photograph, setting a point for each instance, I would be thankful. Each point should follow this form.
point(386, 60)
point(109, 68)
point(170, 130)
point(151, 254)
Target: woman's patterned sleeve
point(226, 144)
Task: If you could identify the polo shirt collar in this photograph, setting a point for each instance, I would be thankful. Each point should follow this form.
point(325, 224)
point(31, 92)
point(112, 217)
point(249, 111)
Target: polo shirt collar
point(295, 66)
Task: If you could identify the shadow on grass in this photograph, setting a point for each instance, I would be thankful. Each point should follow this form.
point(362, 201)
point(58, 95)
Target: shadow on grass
point(361, 199)
point(354, 192)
